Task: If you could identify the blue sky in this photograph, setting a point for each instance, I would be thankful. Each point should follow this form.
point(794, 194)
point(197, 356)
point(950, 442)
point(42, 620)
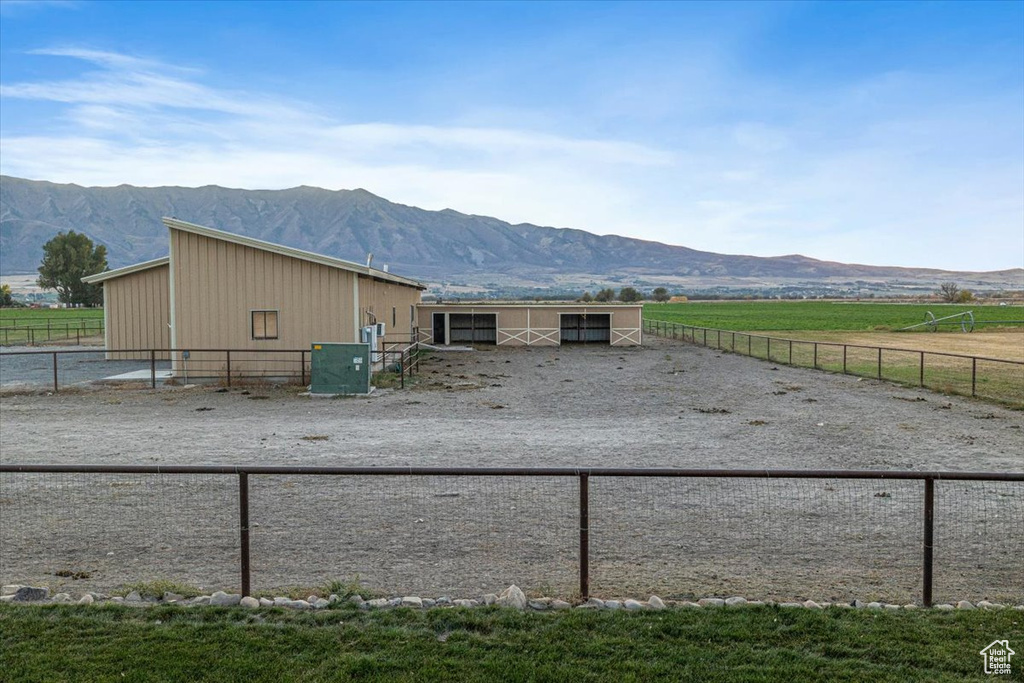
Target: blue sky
point(883, 132)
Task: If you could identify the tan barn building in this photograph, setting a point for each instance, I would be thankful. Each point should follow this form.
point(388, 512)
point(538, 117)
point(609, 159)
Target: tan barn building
point(136, 308)
point(531, 324)
point(261, 300)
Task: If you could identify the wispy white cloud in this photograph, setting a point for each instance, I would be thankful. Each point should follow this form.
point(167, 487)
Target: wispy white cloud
point(864, 172)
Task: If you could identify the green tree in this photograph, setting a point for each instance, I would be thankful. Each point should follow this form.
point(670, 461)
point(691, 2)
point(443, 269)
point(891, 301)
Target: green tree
point(5, 296)
point(660, 294)
point(586, 298)
point(965, 296)
point(629, 295)
point(604, 295)
point(67, 258)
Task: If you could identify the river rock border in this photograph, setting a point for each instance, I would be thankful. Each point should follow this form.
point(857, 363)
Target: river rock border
point(512, 598)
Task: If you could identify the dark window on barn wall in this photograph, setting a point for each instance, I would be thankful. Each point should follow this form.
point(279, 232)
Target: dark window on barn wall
point(264, 325)
point(394, 316)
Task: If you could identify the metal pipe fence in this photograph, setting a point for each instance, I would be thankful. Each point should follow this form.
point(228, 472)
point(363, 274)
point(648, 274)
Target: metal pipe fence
point(837, 533)
point(977, 376)
point(226, 366)
point(35, 331)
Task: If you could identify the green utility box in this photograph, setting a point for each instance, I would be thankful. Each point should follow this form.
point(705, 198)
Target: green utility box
point(340, 368)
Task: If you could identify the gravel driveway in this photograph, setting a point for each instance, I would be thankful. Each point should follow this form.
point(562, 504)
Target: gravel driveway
point(668, 404)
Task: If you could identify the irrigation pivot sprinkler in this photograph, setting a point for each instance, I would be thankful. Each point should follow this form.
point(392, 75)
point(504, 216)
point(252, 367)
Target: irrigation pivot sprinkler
point(965, 320)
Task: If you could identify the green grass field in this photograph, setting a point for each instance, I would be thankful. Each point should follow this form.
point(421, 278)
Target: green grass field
point(752, 316)
point(42, 325)
point(65, 643)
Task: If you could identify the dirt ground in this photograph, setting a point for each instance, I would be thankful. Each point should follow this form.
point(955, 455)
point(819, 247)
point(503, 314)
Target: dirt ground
point(668, 404)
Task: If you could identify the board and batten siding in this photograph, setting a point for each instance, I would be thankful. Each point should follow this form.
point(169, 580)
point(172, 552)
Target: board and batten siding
point(136, 312)
point(540, 324)
point(388, 303)
point(218, 284)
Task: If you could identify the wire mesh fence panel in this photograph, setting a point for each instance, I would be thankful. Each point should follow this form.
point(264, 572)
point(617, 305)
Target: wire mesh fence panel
point(777, 539)
point(979, 541)
point(421, 535)
point(900, 366)
point(1000, 380)
point(98, 532)
point(948, 374)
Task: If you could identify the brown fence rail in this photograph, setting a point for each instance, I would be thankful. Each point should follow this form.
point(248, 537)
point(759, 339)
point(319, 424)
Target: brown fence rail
point(927, 496)
point(35, 331)
point(990, 378)
point(220, 365)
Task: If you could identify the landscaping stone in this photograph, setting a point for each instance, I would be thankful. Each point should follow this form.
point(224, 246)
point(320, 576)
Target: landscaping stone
point(810, 604)
point(686, 604)
point(31, 594)
point(874, 605)
point(859, 605)
point(10, 589)
point(321, 603)
point(86, 600)
point(443, 601)
point(655, 602)
point(594, 602)
point(281, 602)
point(538, 605)
point(633, 605)
point(612, 604)
point(312, 598)
point(427, 602)
point(266, 602)
point(299, 604)
point(791, 604)
point(490, 599)
point(944, 607)
point(412, 601)
point(172, 597)
point(201, 600)
point(759, 603)
point(333, 597)
point(395, 602)
point(964, 604)
point(222, 599)
point(711, 602)
point(250, 602)
point(735, 602)
point(512, 597)
point(356, 599)
point(62, 597)
point(560, 605)
point(377, 603)
point(910, 605)
point(890, 606)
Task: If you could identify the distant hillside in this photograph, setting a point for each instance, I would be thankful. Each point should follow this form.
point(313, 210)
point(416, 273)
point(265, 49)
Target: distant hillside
point(431, 245)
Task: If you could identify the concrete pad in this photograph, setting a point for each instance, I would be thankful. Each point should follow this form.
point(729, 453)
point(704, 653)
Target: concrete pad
point(138, 376)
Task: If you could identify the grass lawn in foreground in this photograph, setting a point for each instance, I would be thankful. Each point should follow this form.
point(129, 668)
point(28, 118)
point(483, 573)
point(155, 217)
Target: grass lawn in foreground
point(487, 644)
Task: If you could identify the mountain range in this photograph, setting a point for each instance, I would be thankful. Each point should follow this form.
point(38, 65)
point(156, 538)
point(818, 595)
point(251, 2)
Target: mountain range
point(435, 246)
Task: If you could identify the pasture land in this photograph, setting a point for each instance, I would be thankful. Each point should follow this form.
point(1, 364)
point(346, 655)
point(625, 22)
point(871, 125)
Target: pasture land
point(488, 644)
point(668, 404)
point(35, 316)
point(762, 316)
point(45, 325)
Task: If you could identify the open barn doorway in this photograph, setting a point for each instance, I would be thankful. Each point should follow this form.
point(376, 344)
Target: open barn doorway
point(472, 328)
point(586, 328)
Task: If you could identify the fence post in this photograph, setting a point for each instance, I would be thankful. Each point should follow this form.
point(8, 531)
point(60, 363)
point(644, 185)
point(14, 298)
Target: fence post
point(815, 355)
point(55, 372)
point(719, 344)
point(750, 347)
point(302, 362)
point(879, 362)
point(734, 342)
point(921, 378)
point(584, 536)
point(229, 367)
point(31, 336)
point(844, 359)
point(769, 348)
point(929, 537)
point(790, 351)
point(243, 529)
point(152, 368)
point(974, 376)
point(401, 367)
point(705, 336)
